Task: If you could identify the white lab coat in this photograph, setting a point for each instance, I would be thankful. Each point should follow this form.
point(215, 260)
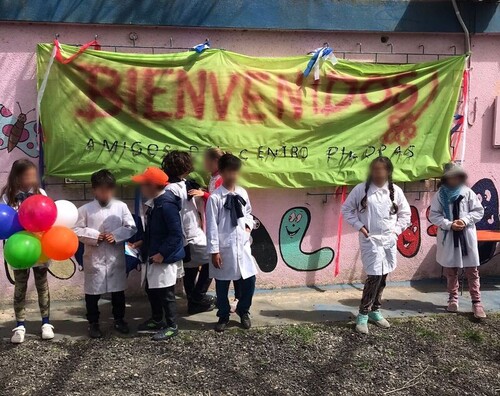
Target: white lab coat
point(471, 211)
point(103, 263)
point(163, 275)
point(191, 226)
point(233, 243)
point(379, 250)
point(5, 201)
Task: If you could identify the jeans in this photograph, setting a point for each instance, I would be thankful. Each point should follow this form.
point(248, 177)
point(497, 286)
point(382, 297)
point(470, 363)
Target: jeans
point(246, 289)
point(117, 302)
point(472, 275)
point(162, 303)
point(372, 293)
point(196, 288)
point(21, 277)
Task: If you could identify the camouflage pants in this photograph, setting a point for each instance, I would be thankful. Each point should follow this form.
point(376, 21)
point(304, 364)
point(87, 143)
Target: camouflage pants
point(21, 286)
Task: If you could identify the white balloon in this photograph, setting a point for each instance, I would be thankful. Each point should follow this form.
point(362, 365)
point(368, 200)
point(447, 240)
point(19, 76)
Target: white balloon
point(67, 213)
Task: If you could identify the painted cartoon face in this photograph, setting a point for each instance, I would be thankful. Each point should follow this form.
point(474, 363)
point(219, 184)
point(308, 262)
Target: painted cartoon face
point(295, 222)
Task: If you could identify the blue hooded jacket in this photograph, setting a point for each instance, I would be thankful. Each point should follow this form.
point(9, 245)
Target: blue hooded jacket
point(164, 229)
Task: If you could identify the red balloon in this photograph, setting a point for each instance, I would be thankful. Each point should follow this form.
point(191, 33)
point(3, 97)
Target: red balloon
point(59, 243)
point(37, 213)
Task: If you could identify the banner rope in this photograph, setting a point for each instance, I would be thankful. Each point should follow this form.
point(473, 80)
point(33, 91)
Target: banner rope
point(339, 232)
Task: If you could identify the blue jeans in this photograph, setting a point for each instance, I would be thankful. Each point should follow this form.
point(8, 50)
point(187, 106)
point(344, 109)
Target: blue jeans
point(246, 289)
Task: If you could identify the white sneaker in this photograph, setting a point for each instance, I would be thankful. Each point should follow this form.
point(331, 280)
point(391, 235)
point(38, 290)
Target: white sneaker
point(18, 336)
point(47, 331)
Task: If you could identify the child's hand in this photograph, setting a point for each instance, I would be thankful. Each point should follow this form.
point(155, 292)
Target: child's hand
point(365, 232)
point(196, 193)
point(216, 260)
point(101, 237)
point(110, 238)
point(157, 258)
point(458, 225)
point(135, 245)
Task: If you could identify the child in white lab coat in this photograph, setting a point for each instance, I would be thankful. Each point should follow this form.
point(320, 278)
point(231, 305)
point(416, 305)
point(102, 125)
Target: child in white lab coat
point(229, 222)
point(455, 210)
point(22, 183)
point(103, 227)
point(379, 210)
point(178, 165)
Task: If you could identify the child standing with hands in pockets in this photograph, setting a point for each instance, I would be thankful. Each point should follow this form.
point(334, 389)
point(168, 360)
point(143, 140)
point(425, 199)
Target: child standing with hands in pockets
point(229, 222)
point(455, 210)
point(379, 210)
point(21, 184)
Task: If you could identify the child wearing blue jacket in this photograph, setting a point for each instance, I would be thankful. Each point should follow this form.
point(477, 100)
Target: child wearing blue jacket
point(163, 251)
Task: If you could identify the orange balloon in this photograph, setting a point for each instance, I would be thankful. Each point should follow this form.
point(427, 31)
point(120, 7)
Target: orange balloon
point(59, 243)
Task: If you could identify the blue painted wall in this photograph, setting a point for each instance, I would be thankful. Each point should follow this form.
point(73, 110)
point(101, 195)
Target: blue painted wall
point(332, 15)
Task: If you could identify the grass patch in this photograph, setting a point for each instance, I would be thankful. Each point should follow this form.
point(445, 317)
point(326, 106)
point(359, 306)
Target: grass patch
point(300, 333)
point(474, 335)
point(428, 334)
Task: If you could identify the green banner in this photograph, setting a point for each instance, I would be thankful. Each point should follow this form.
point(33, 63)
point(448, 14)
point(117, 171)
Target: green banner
point(125, 111)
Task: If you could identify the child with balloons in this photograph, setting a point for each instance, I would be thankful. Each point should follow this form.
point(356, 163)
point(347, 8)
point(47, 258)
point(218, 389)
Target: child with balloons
point(36, 230)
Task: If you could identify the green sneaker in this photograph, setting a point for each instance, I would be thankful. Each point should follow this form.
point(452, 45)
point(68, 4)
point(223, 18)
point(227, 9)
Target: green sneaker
point(150, 326)
point(166, 334)
point(362, 324)
point(377, 318)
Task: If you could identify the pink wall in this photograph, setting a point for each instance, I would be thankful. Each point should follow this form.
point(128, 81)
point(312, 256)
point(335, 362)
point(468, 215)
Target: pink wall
point(17, 83)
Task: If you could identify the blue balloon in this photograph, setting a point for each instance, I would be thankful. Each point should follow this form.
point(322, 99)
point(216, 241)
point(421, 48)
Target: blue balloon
point(9, 222)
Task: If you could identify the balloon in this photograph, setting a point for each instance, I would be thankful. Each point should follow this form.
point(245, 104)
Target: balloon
point(9, 222)
point(67, 213)
point(22, 250)
point(59, 243)
point(37, 213)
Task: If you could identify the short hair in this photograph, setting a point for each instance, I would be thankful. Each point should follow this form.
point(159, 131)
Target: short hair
point(214, 153)
point(103, 178)
point(229, 162)
point(177, 163)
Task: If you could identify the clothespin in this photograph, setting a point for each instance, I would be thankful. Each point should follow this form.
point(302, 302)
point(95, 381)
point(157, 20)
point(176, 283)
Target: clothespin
point(201, 47)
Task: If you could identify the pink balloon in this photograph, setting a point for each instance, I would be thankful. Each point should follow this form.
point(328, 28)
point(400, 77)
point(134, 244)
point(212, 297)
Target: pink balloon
point(37, 213)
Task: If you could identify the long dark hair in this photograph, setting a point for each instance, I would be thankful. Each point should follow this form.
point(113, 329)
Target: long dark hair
point(390, 168)
point(10, 190)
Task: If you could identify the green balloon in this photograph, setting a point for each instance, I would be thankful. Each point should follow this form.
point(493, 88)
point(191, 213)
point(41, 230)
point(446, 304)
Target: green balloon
point(22, 250)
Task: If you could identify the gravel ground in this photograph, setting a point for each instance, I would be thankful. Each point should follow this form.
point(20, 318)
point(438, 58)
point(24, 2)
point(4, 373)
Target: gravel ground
point(439, 355)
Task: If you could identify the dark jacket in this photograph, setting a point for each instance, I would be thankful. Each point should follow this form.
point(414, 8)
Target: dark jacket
point(164, 229)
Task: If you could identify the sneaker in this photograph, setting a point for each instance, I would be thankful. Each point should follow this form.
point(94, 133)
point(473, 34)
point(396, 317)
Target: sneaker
point(151, 326)
point(377, 318)
point(478, 310)
point(221, 325)
point(94, 330)
point(362, 324)
point(210, 299)
point(121, 326)
point(195, 307)
point(233, 305)
point(246, 323)
point(47, 331)
point(18, 336)
point(166, 334)
point(452, 306)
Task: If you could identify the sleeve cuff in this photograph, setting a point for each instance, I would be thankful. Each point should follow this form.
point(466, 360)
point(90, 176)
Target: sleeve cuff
point(358, 225)
point(465, 220)
point(446, 225)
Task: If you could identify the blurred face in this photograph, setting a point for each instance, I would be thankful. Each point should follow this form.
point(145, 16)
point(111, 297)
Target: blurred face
point(230, 177)
point(150, 191)
point(379, 174)
point(28, 179)
point(455, 181)
point(104, 194)
point(210, 165)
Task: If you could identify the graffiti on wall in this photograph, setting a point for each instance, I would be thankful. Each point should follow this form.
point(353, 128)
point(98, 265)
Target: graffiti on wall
point(263, 249)
point(410, 239)
point(293, 228)
point(16, 132)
